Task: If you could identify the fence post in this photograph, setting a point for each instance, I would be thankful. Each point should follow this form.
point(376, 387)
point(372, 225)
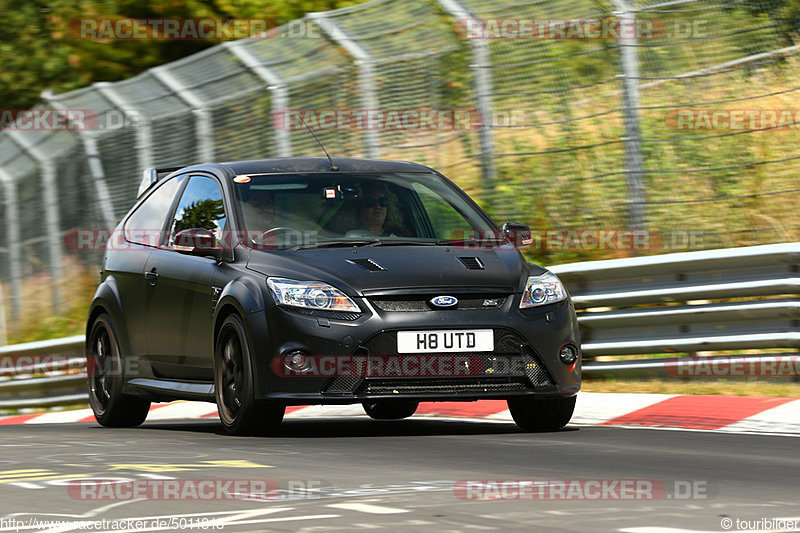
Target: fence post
point(634, 162)
point(144, 140)
point(481, 67)
point(94, 162)
point(203, 126)
point(276, 86)
point(366, 76)
point(51, 214)
point(3, 326)
point(12, 240)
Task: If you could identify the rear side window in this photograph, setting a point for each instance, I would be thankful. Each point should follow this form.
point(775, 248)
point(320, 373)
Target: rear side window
point(146, 224)
point(200, 206)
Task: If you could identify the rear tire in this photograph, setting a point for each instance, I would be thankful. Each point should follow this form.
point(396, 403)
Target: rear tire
point(548, 414)
point(105, 379)
point(390, 409)
point(239, 412)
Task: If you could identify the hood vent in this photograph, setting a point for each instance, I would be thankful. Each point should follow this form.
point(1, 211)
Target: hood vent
point(367, 264)
point(472, 263)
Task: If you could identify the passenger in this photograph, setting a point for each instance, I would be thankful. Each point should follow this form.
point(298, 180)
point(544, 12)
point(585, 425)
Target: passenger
point(259, 211)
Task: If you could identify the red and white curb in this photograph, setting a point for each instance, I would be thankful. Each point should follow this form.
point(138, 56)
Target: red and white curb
point(738, 414)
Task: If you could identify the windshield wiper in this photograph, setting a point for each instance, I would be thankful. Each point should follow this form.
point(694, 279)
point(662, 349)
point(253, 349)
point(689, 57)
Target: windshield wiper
point(471, 241)
point(334, 244)
point(400, 242)
point(359, 243)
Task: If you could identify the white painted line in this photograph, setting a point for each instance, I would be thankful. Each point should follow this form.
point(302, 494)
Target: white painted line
point(60, 417)
point(179, 410)
point(327, 411)
point(721, 430)
point(265, 520)
point(504, 416)
point(367, 508)
point(591, 408)
point(784, 418)
point(598, 407)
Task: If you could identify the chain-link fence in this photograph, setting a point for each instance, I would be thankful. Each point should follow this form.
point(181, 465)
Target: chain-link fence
point(594, 120)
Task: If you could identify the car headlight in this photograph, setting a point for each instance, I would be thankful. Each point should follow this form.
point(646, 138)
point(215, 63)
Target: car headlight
point(310, 295)
point(542, 290)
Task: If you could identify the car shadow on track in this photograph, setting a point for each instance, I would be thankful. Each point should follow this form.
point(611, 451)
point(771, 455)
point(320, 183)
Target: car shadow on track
point(348, 427)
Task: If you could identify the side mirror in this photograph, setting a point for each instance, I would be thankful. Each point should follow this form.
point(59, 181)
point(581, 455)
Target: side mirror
point(197, 241)
point(517, 234)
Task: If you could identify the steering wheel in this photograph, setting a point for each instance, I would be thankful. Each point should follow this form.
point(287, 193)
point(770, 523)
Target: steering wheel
point(360, 234)
point(271, 236)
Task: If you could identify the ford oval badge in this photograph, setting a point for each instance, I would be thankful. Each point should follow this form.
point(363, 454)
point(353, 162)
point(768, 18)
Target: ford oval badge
point(444, 301)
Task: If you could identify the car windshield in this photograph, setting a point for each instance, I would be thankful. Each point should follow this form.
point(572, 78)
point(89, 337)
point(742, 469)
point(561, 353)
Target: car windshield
point(340, 209)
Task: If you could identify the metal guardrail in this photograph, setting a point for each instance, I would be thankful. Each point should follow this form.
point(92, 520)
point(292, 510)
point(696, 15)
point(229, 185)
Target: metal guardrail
point(43, 374)
point(663, 304)
point(643, 305)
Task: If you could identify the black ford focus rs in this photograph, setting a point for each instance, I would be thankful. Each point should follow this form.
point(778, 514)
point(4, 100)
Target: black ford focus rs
point(266, 283)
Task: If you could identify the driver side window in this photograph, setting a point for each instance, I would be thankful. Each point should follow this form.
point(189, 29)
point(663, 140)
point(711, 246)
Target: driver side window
point(200, 206)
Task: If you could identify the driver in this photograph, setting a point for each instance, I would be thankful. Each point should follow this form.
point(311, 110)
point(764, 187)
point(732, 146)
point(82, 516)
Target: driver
point(259, 211)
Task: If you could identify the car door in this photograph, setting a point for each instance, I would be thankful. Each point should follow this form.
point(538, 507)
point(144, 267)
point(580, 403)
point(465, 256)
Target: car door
point(128, 254)
point(179, 305)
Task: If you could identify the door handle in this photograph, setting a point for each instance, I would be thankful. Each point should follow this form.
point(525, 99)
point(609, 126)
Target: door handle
point(151, 277)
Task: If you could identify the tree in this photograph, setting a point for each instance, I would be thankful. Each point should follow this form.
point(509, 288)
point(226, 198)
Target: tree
point(39, 48)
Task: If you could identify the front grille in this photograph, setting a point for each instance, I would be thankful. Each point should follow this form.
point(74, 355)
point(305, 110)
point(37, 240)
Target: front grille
point(342, 384)
point(514, 366)
point(421, 302)
point(511, 352)
point(536, 373)
point(441, 386)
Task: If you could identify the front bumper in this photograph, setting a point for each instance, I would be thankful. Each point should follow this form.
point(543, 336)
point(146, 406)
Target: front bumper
point(530, 337)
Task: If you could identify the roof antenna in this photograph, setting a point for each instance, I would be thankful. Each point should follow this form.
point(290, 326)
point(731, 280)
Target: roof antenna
point(333, 165)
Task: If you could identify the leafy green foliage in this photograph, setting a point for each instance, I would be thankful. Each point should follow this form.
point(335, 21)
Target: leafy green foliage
point(201, 214)
point(38, 51)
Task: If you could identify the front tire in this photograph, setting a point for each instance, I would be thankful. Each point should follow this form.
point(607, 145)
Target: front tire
point(532, 414)
point(104, 369)
point(390, 409)
point(239, 412)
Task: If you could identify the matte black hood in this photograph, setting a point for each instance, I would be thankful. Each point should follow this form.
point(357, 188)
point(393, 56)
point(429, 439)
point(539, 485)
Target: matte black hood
point(405, 267)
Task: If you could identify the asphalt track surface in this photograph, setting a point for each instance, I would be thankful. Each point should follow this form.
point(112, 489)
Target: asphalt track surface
point(351, 474)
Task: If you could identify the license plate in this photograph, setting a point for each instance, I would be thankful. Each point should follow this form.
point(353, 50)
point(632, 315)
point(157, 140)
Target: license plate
point(470, 340)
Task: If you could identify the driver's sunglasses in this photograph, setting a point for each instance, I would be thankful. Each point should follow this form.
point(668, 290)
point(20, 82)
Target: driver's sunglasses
point(372, 202)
